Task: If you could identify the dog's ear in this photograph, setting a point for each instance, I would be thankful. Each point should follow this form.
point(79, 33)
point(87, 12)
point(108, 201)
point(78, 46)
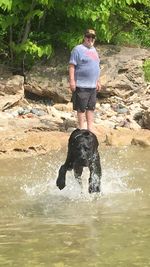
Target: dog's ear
point(73, 135)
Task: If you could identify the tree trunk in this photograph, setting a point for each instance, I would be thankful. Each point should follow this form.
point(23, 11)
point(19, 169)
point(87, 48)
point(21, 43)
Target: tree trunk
point(10, 43)
point(28, 24)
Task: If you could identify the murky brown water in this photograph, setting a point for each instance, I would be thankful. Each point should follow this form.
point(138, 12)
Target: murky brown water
point(42, 226)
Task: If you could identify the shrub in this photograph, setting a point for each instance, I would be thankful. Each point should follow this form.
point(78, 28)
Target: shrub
point(146, 67)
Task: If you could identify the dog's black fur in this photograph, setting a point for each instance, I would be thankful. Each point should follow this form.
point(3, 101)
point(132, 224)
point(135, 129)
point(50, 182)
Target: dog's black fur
point(82, 152)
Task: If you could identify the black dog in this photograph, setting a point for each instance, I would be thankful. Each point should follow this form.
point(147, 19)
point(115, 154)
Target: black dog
point(82, 152)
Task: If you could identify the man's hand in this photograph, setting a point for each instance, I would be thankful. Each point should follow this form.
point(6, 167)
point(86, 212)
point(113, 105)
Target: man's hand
point(98, 86)
point(72, 85)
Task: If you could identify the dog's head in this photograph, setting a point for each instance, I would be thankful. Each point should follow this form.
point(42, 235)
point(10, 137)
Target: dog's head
point(83, 144)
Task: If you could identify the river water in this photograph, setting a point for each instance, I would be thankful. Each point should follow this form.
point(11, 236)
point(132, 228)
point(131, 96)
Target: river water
point(43, 226)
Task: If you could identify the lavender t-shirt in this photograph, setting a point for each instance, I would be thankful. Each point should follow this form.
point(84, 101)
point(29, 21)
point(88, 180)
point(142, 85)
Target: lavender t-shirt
point(87, 69)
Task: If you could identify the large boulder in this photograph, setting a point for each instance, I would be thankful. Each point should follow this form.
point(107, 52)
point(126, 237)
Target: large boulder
point(11, 90)
point(122, 73)
point(12, 85)
point(146, 120)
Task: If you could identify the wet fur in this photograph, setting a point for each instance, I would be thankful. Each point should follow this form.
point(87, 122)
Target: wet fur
point(82, 152)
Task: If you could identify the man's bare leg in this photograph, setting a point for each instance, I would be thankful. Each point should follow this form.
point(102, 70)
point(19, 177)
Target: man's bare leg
point(81, 120)
point(90, 120)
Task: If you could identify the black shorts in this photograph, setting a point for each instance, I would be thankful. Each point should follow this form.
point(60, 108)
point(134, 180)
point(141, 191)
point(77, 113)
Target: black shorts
point(84, 99)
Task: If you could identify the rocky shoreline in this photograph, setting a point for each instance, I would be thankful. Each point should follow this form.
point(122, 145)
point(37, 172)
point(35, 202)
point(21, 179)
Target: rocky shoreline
point(36, 115)
point(31, 136)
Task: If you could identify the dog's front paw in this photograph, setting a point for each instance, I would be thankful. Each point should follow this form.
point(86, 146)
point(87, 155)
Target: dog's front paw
point(94, 188)
point(60, 183)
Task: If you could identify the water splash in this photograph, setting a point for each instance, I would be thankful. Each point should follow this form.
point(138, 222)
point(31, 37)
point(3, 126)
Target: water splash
point(113, 182)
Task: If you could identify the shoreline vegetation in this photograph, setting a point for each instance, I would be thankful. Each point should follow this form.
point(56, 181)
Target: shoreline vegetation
point(32, 31)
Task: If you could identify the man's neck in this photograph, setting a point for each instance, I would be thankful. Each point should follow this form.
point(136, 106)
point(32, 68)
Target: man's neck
point(88, 46)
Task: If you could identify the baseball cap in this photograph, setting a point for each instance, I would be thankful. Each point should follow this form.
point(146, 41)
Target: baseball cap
point(90, 32)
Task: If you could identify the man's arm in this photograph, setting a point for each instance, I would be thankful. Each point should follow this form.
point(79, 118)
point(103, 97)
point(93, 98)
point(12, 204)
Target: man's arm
point(72, 82)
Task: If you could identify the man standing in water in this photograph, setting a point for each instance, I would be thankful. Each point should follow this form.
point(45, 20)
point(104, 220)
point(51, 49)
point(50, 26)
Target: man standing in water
point(84, 73)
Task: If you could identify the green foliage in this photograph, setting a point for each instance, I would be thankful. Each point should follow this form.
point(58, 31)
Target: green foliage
point(32, 29)
point(7, 21)
point(71, 40)
point(146, 67)
point(143, 36)
point(33, 49)
point(6, 4)
point(126, 38)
